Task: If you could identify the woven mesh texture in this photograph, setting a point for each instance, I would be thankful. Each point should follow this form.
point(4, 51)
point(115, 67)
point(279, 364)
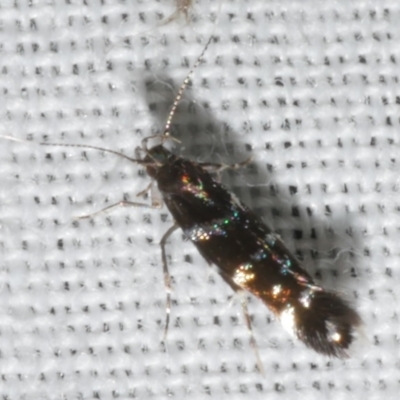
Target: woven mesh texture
point(309, 89)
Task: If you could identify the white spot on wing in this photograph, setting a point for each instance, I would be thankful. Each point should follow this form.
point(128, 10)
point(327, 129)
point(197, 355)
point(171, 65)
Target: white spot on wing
point(288, 320)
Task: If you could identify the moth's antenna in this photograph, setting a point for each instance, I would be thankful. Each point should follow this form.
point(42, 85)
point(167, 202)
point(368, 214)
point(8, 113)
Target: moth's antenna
point(82, 146)
point(183, 87)
point(85, 146)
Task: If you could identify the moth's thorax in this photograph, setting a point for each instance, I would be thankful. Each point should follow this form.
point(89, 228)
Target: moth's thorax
point(178, 176)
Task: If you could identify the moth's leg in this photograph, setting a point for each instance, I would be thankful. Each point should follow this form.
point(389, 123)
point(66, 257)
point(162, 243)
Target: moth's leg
point(122, 203)
point(145, 190)
point(217, 168)
point(156, 198)
point(167, 276)
point(253, 342)
point(247, 318)
point(156, 202)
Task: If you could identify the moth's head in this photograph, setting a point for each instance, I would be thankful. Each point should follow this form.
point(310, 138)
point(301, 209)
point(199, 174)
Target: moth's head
point(156, 157)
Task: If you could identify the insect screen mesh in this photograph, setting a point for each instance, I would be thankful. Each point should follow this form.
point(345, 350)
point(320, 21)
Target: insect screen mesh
point(309, 89)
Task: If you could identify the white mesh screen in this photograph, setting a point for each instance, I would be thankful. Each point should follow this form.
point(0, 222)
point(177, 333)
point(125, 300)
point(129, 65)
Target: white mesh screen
point(309, 88)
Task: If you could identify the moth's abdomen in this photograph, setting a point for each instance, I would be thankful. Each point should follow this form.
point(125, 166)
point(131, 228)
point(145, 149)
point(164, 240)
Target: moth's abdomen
point(323, 321)
point(320, 319)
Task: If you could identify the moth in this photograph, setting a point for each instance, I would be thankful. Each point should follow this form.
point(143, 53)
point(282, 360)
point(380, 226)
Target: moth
point(248, 255)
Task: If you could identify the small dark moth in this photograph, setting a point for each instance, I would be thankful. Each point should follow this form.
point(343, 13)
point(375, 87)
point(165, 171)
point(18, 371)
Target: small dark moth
point(249, 256)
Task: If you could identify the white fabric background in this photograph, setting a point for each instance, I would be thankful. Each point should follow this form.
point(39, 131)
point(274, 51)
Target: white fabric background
point(309, 88)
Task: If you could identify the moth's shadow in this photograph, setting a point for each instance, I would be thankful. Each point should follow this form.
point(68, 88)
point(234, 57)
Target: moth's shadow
point(326, 255)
